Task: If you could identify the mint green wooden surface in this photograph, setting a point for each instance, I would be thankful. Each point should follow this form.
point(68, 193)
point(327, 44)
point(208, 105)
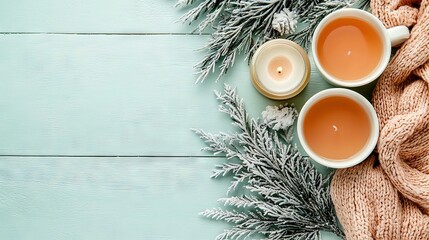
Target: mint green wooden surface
point(91, 16)
point(87, 87)
point(107, 198)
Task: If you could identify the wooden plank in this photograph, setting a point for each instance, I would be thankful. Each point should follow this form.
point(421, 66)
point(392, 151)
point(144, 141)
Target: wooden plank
point(92, 16)
point(113, 95)
point(109, 198)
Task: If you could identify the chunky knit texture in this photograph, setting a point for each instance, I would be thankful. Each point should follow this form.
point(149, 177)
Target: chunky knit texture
point(387, 196)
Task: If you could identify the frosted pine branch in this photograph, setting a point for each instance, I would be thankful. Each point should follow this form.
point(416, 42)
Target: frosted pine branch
point(241, 26)
point(286, 198)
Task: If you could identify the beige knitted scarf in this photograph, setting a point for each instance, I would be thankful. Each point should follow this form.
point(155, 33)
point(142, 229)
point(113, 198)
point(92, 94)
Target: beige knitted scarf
point(387, 196)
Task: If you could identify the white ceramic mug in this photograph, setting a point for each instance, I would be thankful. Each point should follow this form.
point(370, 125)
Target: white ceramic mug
point(366, 106)
point(389, 37)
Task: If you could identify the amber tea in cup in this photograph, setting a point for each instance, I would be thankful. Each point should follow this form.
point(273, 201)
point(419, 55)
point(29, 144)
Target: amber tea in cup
point(338, 128)
point(351, 47)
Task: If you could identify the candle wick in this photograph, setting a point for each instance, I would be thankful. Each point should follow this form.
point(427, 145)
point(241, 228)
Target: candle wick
point(279, 70)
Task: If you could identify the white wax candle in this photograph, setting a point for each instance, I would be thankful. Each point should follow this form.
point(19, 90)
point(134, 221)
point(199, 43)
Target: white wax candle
point(280, 69)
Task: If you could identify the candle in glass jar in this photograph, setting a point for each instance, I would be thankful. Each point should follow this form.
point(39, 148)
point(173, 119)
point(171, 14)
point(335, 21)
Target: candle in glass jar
point(280, 69)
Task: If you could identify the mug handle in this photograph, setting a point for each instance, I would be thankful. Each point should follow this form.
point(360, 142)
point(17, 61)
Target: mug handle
point(398, 35)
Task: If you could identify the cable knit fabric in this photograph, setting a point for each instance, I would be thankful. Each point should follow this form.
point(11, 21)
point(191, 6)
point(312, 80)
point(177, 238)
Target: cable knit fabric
point(387, 196)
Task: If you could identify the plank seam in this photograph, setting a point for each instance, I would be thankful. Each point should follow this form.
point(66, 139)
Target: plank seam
point(105, 33)
point(109, 156)
point(106, 156)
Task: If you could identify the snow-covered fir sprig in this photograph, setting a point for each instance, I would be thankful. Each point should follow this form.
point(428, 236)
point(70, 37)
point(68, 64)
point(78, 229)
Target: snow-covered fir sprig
point(241, 26)
point(283, 196)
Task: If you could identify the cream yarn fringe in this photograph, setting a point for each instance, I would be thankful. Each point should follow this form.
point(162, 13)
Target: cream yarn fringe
point(387, 196)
